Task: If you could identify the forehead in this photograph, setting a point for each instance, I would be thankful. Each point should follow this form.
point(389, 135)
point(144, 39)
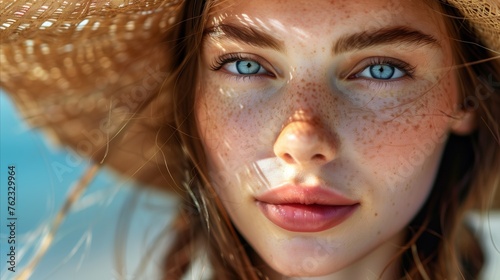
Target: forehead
point(316, 17)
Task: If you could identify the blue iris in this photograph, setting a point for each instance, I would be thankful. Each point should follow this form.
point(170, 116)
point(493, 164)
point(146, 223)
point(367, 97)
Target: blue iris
point(247, 67)
point(382, 71)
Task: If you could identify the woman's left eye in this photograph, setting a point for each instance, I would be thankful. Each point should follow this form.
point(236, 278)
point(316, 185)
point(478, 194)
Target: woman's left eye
point(245, 67)
point(381, 72)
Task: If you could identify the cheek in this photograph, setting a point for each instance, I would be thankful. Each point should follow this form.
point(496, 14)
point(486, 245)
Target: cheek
point(215, 115)
point(399, 157)
point(409, 127)
point(231, 128)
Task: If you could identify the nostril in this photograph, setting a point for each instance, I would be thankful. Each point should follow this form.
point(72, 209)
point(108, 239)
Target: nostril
point(318, 157)
point(288, 158)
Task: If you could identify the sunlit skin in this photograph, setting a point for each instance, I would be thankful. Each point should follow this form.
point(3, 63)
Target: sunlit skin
point(314, 115)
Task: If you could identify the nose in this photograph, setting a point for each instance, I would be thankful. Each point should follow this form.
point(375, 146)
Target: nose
point(304, 143)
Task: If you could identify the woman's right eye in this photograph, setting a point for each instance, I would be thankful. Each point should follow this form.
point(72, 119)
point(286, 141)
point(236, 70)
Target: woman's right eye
point(245, 67)
point(240, 65)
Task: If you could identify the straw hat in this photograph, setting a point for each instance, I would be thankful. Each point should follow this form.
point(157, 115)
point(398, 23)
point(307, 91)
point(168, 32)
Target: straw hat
point(80, 68)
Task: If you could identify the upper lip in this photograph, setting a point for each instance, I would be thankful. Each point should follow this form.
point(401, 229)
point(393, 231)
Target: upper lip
point(292, 194)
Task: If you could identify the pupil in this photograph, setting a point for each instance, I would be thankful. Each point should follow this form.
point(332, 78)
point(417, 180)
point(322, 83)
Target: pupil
point(247, 67)
point(382, 71)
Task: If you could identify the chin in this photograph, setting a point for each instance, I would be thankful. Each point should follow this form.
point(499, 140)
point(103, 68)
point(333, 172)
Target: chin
point(307, 268)
point(305, 264)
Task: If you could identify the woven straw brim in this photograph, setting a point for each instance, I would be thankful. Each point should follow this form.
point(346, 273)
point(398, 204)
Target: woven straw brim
point(80, 68)
point(484, 16)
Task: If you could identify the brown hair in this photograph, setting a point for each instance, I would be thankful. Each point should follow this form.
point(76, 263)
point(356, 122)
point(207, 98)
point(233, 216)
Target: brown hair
point(202, 223)
point(468, 176)
point(439, 244)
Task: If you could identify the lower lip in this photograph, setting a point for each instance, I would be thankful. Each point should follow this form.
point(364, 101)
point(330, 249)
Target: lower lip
point(306, 218)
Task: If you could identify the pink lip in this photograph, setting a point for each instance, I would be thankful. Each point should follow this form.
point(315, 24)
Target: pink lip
point(305, 209)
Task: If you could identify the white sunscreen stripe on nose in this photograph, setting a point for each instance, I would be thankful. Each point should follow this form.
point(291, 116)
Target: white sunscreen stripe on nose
point(273, 172)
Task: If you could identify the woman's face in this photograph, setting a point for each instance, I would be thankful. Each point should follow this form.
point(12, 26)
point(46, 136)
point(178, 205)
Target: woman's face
point(323, 124)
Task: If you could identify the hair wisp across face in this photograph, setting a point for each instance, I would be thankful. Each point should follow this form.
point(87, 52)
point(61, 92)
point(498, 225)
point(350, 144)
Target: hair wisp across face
point(331, 118)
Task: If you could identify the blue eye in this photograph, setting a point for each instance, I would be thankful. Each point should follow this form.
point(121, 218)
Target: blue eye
point(382, 72)
point(245, 67)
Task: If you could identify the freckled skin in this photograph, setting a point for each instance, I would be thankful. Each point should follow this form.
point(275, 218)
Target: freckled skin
point(382, 141)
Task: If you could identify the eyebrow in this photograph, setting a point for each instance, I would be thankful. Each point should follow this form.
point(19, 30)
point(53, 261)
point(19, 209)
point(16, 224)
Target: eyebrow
point(245, 34)
point(399, 35)
point(385, 36)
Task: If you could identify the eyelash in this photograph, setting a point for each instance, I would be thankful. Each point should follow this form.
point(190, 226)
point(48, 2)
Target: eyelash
point(233, 57)
point(226, 59)
point(408, 69)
